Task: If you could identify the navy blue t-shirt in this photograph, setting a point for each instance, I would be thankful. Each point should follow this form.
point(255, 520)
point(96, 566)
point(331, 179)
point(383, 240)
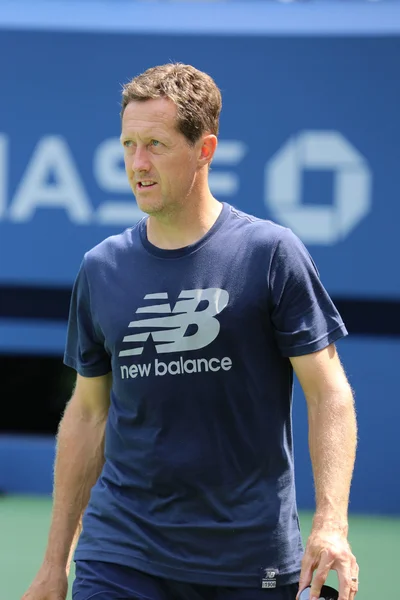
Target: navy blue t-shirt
point(198, 480)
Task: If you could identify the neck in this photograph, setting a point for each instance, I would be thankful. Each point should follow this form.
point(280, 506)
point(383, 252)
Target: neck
point(185, 226)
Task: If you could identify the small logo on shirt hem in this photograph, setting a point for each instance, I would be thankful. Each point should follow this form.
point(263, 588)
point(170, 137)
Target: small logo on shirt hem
point(268, 578)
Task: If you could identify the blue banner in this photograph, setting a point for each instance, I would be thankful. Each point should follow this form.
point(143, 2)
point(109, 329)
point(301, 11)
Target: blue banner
point(309, 138)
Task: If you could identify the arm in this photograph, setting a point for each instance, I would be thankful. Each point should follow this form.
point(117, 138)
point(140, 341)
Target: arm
point(332, 443)
point(79, 460)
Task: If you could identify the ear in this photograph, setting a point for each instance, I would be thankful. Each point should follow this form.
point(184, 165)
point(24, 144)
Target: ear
point(207, 149)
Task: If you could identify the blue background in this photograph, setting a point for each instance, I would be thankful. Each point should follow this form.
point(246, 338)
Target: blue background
point(68, 84)
point(275, 85)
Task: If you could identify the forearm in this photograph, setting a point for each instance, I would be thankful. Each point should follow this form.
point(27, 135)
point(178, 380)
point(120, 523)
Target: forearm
point(332, 443)
point(79, 460)
point(74, 542)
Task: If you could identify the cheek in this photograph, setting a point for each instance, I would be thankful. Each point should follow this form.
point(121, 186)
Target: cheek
point(127, 163)
point(185, 168)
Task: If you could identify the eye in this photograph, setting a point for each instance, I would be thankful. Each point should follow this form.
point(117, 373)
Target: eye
point(128, 144)
point(155, 143)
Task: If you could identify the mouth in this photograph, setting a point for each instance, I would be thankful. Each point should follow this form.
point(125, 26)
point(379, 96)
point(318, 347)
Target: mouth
point(145, 185)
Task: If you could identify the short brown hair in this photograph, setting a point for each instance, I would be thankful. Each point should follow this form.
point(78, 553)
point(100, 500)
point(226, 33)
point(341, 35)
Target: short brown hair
point(195, 94)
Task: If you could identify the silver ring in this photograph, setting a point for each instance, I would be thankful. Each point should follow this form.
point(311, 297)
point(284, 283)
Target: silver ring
point(354, 579)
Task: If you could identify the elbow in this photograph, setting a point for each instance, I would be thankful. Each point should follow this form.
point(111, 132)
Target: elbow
point(337, 399)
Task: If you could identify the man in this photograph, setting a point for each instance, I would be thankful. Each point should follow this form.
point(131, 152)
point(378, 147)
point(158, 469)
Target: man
point(185, 330)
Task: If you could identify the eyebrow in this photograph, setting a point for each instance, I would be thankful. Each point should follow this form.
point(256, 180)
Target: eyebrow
point(147, 135)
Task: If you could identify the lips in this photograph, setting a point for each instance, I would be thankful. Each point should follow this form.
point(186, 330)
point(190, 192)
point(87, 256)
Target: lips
point(145, 184)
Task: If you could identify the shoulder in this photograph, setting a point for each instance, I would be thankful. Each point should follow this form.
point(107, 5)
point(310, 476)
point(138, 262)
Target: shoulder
point(109, 251)
point(276, 246)
point(262, 231)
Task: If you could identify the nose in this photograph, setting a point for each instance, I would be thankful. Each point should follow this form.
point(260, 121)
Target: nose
point(140, 159)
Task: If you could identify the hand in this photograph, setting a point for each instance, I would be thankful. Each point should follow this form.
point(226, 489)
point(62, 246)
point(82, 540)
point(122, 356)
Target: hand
point(51, 583)
point(328, 550)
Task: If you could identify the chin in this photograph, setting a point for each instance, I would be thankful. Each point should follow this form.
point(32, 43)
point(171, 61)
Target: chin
point(150, 208)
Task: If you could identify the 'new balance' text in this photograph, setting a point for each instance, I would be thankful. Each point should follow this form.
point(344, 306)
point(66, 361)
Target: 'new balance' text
point(160, 368)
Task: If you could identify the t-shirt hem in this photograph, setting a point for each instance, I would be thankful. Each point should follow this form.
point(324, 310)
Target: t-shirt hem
point(184, 575)
point(329, 338)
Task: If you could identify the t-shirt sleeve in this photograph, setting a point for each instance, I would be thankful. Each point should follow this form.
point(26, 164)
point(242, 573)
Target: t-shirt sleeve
point(85, 351)
point(303, 315)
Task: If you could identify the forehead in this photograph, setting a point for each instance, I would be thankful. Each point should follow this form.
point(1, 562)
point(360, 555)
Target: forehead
point(158, 114)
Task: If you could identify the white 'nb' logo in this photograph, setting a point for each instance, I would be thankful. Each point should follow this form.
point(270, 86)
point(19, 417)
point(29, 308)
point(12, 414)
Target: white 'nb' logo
point(170, 332)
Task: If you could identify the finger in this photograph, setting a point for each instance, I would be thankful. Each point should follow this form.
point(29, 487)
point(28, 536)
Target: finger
point(354, 573)
point(353, 590)
point(305, 578)
point(352, 594)
point(321, 574)
point(355, 570)
point(307, 567)
point(346, 584)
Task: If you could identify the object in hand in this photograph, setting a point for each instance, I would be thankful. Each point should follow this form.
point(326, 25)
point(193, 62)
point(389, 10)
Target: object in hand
point(327, 593)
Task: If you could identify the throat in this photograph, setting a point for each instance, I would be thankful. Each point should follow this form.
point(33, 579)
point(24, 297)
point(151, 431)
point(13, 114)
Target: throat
point(175, 233)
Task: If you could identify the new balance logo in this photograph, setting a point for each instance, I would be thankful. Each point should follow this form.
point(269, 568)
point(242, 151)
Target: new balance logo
point(189, 326)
